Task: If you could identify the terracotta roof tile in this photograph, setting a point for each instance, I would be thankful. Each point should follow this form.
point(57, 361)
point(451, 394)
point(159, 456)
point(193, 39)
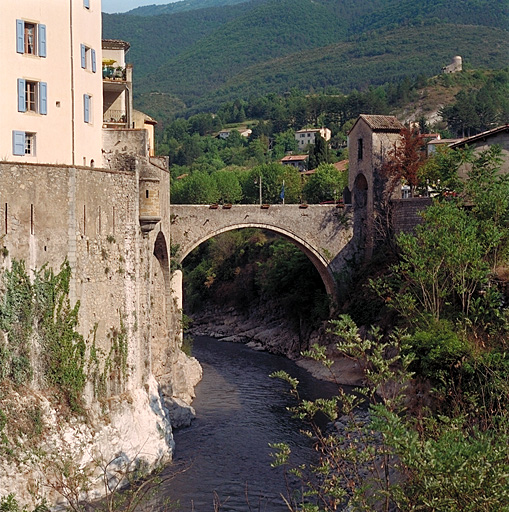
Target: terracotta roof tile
point(382, 123)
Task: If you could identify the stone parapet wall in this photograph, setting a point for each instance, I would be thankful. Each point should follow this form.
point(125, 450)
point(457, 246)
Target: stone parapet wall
point(405, 213)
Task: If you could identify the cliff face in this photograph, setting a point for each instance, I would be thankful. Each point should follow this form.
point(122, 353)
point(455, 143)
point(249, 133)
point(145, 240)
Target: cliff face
point(64, 456)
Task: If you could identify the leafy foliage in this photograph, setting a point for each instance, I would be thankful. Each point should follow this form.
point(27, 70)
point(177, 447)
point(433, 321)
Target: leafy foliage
point(326, 184)
point(405, 160)
point(41, 308)
point(245, 266)
point(64, 347)
point(478, 109)
point(392, 460)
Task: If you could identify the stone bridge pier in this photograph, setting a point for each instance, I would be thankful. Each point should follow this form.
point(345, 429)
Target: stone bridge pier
point(323, 232)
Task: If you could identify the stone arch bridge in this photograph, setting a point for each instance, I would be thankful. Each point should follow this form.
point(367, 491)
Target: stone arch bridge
point(323, 232)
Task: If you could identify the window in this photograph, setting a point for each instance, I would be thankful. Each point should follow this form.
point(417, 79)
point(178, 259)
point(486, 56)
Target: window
point(32, 96)
point(88, 60)
point(87, 102)
point(360, 149)
point(23, 143)
point(30, 38)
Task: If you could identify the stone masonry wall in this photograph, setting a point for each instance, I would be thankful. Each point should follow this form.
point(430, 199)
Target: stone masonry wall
point(88, 216)
point(405, 213)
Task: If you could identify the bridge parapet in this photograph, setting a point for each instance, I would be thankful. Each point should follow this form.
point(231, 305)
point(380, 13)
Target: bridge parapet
point(323, 232)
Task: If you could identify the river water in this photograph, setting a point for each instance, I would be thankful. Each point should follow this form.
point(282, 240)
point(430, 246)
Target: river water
point(239, 411)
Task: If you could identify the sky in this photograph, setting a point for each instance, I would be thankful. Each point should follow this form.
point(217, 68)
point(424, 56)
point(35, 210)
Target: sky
point(126, 5)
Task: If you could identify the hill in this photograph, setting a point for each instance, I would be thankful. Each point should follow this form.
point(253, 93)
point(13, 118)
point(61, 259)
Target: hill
point(185, 5)
point(206, 56)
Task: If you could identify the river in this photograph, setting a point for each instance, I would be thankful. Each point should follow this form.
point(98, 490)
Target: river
point(239, 411)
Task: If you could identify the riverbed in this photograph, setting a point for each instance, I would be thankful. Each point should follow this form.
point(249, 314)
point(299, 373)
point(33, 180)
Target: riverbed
point(223, 458)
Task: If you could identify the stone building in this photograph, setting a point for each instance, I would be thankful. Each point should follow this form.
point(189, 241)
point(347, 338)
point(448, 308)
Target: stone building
point(77, 186)
point(482, 141)
point(369, 141)
point(454, 67)
point(307, 136)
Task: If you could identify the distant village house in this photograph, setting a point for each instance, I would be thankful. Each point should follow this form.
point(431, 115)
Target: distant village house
point(307, 136)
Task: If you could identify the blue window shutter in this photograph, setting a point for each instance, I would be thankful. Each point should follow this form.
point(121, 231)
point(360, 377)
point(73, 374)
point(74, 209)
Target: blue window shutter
point(86, 107)
point(43, 98)
point(18, 143)
point(20, 36)
point(86, 4)
point(22, 107)
point(83, 56)
point(42, 40)
point(93, 61)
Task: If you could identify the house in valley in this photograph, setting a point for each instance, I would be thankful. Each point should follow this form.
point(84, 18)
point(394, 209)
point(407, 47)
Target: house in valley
point(307, 136)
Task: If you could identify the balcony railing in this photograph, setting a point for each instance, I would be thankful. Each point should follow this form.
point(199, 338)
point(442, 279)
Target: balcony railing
point(115, 116)
point(114, 73)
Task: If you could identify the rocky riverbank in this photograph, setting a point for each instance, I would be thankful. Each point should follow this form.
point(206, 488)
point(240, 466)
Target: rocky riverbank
point(263, 329)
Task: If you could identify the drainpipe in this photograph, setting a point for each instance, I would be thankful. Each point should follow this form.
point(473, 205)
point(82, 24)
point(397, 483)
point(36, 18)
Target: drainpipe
point(72, 84)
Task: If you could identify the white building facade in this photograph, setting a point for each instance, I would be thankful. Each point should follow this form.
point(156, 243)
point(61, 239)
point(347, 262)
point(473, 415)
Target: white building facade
point(51, 98)
point(305, 137)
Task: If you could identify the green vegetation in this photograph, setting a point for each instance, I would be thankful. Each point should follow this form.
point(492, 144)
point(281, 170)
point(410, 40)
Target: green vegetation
point(154, 10)
point(479, 107)
point(194, 61)
point(207, 169)
point(241, 268)
point(42, 306)
point(9, 503)
point(436, 377)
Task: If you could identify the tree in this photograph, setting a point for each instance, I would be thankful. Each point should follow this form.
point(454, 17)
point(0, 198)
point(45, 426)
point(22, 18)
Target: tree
point(326, 184)
point(440, 171)
point(271, 176)
point(404, 160)
point(318, 152)
point(228, 186)
point(284, 143)
point(197, 188)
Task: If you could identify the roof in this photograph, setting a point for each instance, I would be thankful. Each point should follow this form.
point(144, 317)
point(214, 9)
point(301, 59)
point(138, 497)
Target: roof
point(294, 158)
point(480, 136)
point(307, 130)
point(341, 166)
point(380, 123)
point(146, 118)
point(115, 44)
point(443, 141)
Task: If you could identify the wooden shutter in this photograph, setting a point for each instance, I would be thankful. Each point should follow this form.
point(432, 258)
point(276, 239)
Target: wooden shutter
point(83, 56)
point(42, 40)
point(93, 61)
point(86, 4)
point(20, 36)
point(22, 107)
point(18, 143)
point(43, 98)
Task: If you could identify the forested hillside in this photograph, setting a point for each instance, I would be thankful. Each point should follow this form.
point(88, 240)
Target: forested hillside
point(184, 5)
point(198, 58)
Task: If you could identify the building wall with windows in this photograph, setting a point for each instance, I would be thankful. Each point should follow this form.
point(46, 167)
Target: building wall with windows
point(305, 137)
point(51, 82)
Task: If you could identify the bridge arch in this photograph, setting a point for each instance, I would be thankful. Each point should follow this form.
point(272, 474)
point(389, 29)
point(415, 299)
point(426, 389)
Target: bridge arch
point(322, 232)
point(319, 262)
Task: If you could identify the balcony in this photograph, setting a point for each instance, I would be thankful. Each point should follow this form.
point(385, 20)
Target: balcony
point(115, 118)
point(114, 73)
